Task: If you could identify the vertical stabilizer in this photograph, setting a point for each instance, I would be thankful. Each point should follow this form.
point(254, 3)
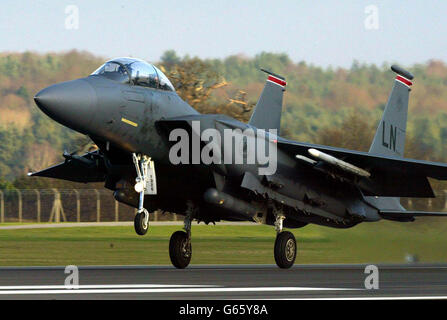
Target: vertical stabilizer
point(389, 139)
point(267, 113)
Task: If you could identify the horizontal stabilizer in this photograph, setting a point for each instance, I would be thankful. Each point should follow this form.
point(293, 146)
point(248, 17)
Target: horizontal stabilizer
point(398, 215)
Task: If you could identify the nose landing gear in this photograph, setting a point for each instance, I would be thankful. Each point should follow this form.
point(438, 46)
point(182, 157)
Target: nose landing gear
point(145, 184)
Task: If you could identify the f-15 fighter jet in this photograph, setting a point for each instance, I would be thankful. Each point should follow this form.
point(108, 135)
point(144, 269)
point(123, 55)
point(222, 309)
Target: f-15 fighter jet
point(156, 152)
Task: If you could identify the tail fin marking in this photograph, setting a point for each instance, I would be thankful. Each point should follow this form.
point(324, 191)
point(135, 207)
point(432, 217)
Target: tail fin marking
point(389, 139)
point(267, 113)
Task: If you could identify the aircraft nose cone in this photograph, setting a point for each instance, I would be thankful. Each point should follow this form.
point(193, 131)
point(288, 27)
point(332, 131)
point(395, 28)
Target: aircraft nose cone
point(70, 103)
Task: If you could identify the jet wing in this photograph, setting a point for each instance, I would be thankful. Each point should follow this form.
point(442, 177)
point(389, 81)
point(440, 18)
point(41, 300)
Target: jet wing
point(390, 176)
point(86, 168)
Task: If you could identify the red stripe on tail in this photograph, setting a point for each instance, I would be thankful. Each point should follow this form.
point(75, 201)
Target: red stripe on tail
point(277, 80)
point(404, 80)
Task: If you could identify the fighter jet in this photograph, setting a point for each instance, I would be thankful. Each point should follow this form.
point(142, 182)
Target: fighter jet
point(156, 152)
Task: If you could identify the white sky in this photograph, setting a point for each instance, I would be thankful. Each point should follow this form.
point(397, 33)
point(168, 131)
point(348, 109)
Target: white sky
point(319, 32)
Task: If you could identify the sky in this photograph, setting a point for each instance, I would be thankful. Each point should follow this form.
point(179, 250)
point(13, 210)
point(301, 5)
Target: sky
point(325, 33)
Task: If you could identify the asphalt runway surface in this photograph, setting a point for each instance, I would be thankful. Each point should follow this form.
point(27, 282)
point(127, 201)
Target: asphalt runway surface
point(412, 281)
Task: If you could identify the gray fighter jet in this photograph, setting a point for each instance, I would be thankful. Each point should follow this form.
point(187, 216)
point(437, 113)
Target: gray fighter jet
point(158, 153)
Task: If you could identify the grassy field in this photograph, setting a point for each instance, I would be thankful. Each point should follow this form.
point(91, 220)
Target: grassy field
point(374, 242)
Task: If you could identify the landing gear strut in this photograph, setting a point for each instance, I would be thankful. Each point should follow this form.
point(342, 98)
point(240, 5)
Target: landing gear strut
point(285, 243)
point(180, 249)
point(145, 183)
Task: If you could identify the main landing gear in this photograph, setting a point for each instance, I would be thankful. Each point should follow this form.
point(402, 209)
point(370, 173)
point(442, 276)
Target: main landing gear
point(285, 244)
point(180, 249)
point(145, 183)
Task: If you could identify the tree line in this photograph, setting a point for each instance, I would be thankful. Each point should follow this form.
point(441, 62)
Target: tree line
point(333, 106)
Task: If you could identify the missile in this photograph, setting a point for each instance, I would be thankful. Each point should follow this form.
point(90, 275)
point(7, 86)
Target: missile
point(339, 163)
point(305, 159)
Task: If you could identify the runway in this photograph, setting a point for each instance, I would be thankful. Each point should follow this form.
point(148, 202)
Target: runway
point(225, 282)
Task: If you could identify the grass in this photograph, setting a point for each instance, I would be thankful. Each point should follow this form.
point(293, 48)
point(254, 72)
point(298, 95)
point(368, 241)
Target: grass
point(374, 242)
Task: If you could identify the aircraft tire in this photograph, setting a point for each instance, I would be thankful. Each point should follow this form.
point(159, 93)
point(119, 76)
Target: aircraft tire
point(138, 223)
point(285, 249)
point(178, 252)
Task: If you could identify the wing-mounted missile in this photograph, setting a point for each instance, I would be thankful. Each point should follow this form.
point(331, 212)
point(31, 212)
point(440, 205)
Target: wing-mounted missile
point(306, 159)
point(343, 165)
point(332, 161)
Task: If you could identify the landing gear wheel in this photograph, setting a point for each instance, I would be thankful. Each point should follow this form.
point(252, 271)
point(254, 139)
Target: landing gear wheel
point(285, 249)
point(140, 223)
point(180, 250)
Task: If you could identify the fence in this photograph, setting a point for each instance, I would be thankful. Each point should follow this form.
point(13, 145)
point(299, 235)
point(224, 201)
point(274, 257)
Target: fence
point(67, 205)
point(96, 205)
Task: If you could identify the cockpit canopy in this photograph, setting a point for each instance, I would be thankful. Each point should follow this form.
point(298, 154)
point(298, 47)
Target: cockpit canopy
point(134, 71)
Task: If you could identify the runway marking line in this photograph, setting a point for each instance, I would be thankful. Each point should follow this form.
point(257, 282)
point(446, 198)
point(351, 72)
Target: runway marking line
point(374, 298)
point(101, 286)
point(148, 288)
